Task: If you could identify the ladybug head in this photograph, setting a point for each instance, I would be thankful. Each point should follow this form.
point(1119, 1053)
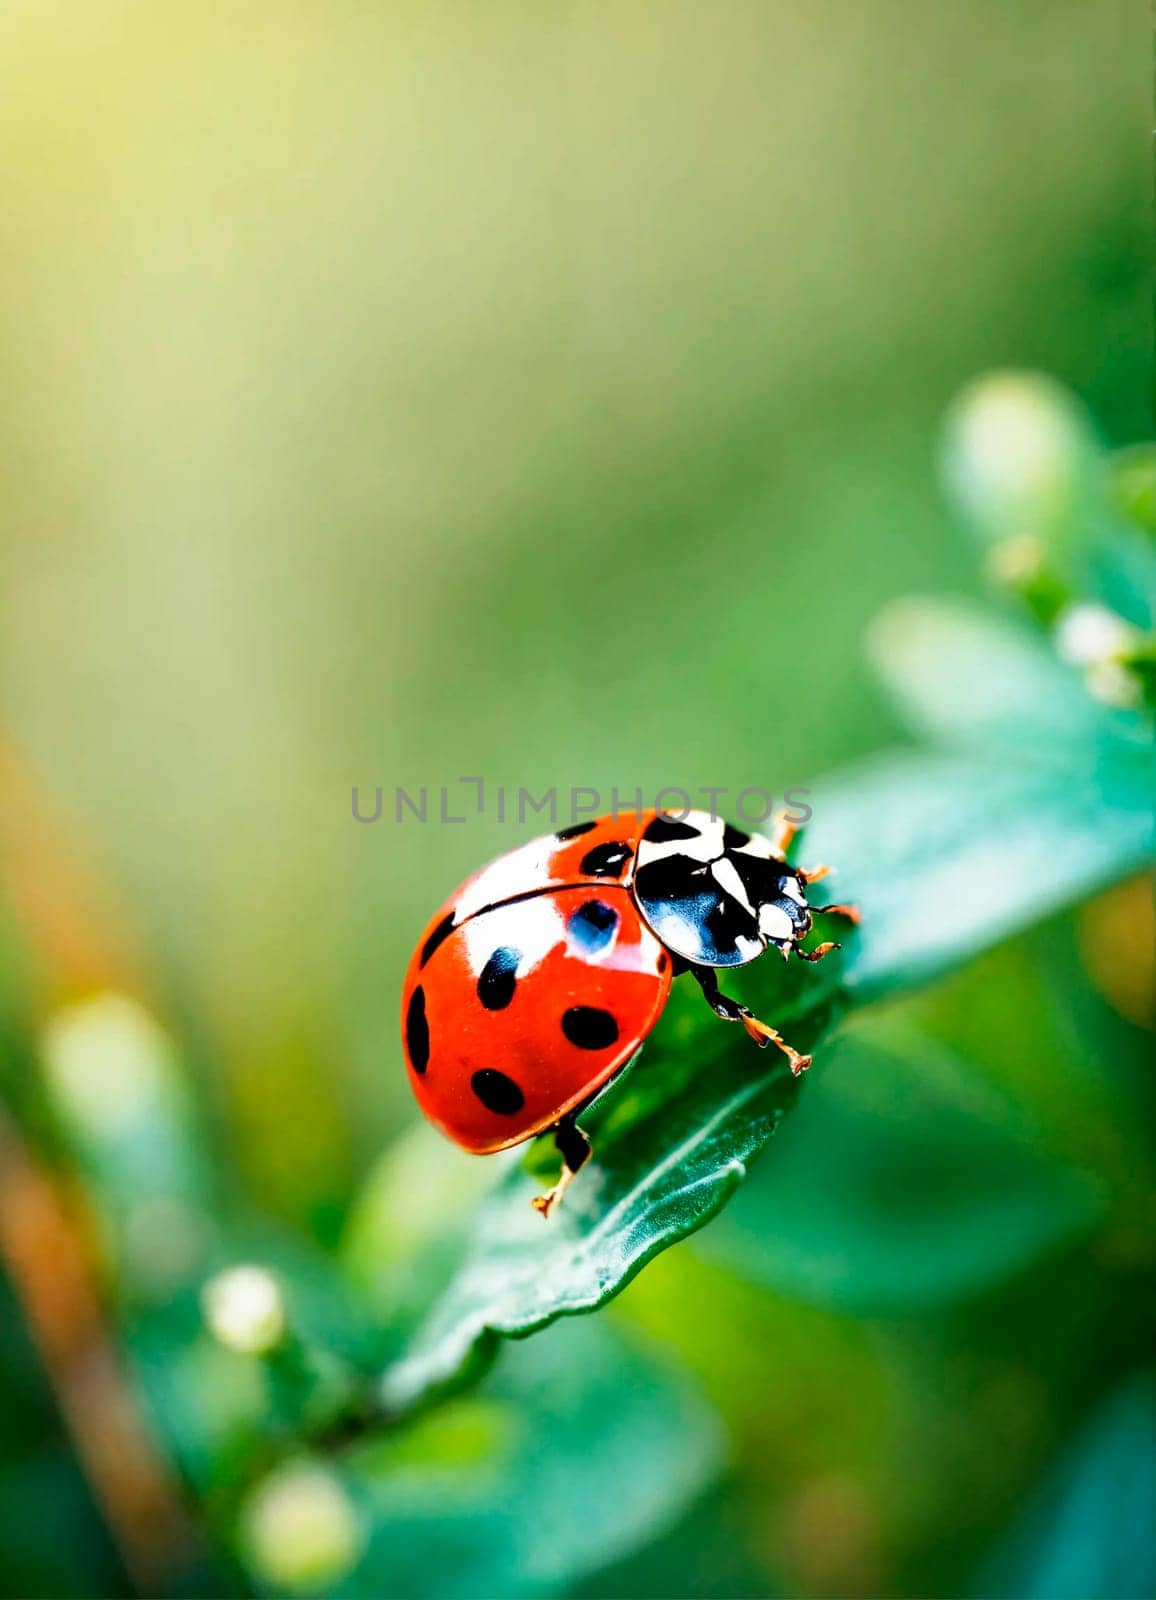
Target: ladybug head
point(714, 895)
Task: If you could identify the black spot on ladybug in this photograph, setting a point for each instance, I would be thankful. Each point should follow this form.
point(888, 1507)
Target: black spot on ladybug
point(589, 1028)
point(442, 932)
point(417, 1031)
point(593, 926)
point(496, 984)
point(605, 860)
point(663, 961)
point(665, 829)
point(497, 1093)
point(575, 832)
point(671, 879)
point(734, 838)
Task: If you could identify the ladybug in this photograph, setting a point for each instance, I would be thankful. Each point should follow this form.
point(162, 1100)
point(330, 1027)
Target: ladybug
point(538, 980)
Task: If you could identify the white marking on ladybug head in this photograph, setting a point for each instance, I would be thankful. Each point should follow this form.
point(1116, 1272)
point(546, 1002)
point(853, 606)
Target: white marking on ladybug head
point(756, 845)
point(774, 922)
point(704, 843)
point(794, 889)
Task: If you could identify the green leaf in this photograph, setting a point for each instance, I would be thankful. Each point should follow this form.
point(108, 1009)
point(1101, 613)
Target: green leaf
point(672, 1136)
point(1046, 799)
point(406, 1234)
point(563, 1461)
point(1045, 796)
point(949, 855)
point(904, 1181)
point(1092, 1535)
point(971, 678)
point(946, 856)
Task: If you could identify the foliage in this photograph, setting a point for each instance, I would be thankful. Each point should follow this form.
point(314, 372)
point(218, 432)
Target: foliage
point(1035, 794)
point(1090, 1536)
point(397, 392)
point(324, 1425)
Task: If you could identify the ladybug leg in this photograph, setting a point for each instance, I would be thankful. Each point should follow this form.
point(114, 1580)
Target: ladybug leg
point(824, 949)
point(850, 912)
point(815, 874)
point(818, 952)
point(782, 834)
point(734, 1011)
point(574, 1148)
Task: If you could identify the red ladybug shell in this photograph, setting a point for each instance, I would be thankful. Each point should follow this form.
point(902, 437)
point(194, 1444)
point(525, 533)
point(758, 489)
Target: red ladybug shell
point(532, 986)
point(589, 852)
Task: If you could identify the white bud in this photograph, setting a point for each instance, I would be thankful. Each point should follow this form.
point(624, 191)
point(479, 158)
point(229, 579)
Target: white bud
point(300, 1528)
point(244, 1309)
point(1015, 447)
point(107, 1062)
point(1089, 634)
point(1091, 637)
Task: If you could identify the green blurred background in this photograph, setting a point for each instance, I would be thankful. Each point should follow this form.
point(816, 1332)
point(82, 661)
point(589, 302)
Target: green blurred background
point(549, 392)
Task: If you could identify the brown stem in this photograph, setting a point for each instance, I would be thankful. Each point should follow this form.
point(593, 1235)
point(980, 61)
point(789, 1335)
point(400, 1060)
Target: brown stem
point(44, 1253)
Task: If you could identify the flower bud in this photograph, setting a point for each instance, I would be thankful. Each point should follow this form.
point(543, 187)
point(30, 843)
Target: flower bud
point(1100, 642)
point(1017, 454)
point(108, 1063)
point(244, 1309)
point(300, 1528)
point(1089, 634)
